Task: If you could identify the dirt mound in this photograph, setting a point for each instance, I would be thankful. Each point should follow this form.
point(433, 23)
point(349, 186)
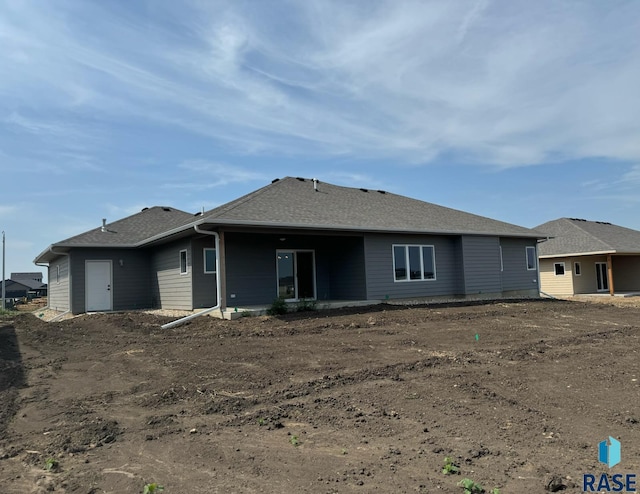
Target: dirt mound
point(517, 394)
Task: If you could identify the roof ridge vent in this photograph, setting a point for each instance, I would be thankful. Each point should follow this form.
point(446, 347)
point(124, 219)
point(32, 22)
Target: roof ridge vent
point(364, 190)
point(166, 209)
point(300, 178)
point(275, 180)
point(382, 191)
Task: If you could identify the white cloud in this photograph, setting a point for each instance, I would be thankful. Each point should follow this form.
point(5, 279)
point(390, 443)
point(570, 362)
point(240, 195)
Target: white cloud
point(504, 84)
point(202, 175)
point(7, 210)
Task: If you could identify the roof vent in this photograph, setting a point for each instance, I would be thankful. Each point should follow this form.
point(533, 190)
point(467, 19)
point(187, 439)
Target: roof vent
point(300, 178)
point(315, 184)
point(382, 191)
point(144, 209)
point(104, 225)
point(166, 209)
point(364, 190)
point(603, 222)
point(275, 180)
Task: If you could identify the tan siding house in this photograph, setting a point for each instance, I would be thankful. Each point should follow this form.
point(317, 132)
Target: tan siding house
point(582, 257)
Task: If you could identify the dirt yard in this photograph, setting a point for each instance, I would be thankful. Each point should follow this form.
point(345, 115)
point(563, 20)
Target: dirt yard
point(349, 401)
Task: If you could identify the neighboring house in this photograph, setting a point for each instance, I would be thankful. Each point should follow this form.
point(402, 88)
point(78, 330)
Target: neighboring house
point(13, 289)
point(296, 239)
point(33, 281)
point(588, 257)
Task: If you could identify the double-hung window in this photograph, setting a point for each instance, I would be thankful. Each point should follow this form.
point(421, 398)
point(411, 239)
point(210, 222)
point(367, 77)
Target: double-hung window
point(414, 262)
point(209, 261)
point(532, 263)
point(184, 267)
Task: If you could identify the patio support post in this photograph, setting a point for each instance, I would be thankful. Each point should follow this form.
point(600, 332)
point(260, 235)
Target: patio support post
point(610, 274)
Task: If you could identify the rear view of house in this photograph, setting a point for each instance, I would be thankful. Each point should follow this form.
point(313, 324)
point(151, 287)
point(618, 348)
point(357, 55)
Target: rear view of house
point(582, 257)
point(295, 239)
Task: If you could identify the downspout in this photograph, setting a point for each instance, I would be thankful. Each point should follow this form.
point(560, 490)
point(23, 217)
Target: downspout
point(183, 320)
point(537, 280)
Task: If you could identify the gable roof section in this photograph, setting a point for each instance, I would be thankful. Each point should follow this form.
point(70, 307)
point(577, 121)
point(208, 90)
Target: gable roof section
point(573, 236)
point(293, 202)
point(131, 231)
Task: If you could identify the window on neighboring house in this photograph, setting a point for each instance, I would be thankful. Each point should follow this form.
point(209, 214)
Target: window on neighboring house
point(559, 268)
point(414, 262)
point(577, 269)
point(183, 262)
point(531, 259)
point(209, 261)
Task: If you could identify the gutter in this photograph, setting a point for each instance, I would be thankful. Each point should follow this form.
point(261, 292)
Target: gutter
point(183, 320)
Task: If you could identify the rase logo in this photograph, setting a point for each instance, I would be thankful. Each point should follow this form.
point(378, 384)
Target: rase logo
point(610, 454)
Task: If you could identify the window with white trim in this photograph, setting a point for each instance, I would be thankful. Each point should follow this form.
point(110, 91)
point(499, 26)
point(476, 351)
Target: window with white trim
point(183, 262)
point(209, 260)
point(531, 259)
point(414, 263)
point(577, 269)
point(558, 267)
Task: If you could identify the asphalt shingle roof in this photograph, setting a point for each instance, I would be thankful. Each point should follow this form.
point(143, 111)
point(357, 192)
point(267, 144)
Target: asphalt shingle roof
point(132, 230)
point(293, 202)
point(576, 236)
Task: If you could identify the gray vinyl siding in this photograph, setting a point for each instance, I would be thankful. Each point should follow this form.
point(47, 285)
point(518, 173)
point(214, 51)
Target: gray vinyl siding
point(379, 267)
point(58, 291)
point(515, 275)
point(130, 286)
point(250, 262)
point(347, 279)
point(169, 288)
point(481, 262)
point(204, 284)
point(251, 272)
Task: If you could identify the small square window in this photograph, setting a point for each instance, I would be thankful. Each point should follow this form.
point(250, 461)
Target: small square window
point(577, 269)
point(183, 262)
point(559, 268)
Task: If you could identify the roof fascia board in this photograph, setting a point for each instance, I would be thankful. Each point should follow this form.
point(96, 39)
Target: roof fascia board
point(580, 254)
point(368, 229)
point(266, 224)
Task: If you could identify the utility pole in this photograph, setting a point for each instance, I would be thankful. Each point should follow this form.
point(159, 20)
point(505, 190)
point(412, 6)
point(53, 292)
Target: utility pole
point(3, 280)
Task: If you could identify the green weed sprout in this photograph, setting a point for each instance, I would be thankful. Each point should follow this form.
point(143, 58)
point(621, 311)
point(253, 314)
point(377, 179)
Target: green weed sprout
point(450, 468)
point(470, 487)
point(152, 488)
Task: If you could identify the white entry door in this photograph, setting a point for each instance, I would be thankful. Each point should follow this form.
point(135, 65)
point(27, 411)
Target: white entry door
point(98, 286)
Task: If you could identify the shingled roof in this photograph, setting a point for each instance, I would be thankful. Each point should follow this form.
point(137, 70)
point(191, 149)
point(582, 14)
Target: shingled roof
point(301, 204)
point(131, 231)
point(573, 236)
point(294, 203)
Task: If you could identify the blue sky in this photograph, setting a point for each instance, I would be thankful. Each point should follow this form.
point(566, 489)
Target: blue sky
point(517, 110)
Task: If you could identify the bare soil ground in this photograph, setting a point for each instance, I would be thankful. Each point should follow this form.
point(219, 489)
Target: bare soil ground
point(340, 401)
